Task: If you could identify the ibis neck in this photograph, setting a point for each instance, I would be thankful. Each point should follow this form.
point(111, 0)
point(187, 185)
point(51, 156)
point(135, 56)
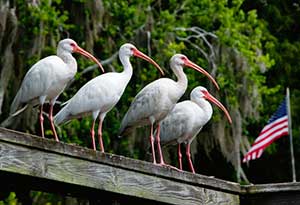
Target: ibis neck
point(126, 66)
point(205, 106)
point(69, 60)
point(182, 80)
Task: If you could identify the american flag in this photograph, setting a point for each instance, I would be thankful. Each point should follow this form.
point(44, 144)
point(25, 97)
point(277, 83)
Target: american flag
point(276, 127)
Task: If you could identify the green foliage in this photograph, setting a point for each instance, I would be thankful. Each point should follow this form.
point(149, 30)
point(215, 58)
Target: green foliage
point(10, 200)
point(43, 18)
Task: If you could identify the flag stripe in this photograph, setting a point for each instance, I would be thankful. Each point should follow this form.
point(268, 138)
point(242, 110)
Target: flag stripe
point(271, 131)
point(284, 133)
point(254, 155)
point(276, 127)
point(260, 153)
point(270, 138)
point(269, 126)
point(267, 143)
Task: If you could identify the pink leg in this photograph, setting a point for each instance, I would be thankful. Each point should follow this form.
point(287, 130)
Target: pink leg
point(162, 163)
point(93, 135)
point(188, 154)
point(158, 145)
point(42, 121)
point(100, 136)
point(51, 122)
point(179, 156)
point(152, 144)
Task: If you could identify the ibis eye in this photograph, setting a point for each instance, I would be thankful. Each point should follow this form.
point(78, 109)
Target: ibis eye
point(72, 44)
point(205, 92)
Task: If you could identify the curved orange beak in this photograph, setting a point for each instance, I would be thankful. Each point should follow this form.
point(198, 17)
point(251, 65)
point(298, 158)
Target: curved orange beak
point(209, 97)
point(83, 52)
point(139, 54)
point(190, 64)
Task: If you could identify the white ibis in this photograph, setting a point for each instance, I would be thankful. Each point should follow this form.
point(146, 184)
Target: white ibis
point(186, 120)
point(157, 99)
point(101, 94)
point(47, 78)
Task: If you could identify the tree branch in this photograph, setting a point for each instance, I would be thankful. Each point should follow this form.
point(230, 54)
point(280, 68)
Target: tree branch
point(199, 33)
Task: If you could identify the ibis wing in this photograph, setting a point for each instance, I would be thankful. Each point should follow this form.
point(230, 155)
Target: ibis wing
point(142, 107)
point(182, 123)
point(37, 80)
point(175, 125)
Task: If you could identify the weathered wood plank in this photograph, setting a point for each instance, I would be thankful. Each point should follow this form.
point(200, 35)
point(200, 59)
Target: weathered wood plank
point(22, 184)
point(30, 160)
point(267, 194)
point(267, 188)
point(115, 160)
point(33, 156)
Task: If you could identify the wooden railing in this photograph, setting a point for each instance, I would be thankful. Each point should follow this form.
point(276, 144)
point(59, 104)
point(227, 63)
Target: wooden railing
point(32, 163)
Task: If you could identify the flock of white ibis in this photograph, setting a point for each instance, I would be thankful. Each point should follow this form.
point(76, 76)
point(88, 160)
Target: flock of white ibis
point(154, 105)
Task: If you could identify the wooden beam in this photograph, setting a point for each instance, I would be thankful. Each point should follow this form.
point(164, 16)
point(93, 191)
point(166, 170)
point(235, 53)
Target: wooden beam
point(43, 159)
point(271, 188)
point(269, 194)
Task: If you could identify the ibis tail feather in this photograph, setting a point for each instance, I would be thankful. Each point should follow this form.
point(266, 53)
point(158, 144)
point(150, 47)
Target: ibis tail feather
point(61, 116)
point(15, 104)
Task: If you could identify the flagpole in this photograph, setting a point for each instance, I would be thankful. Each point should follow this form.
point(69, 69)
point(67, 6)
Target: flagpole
point(290, 133)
